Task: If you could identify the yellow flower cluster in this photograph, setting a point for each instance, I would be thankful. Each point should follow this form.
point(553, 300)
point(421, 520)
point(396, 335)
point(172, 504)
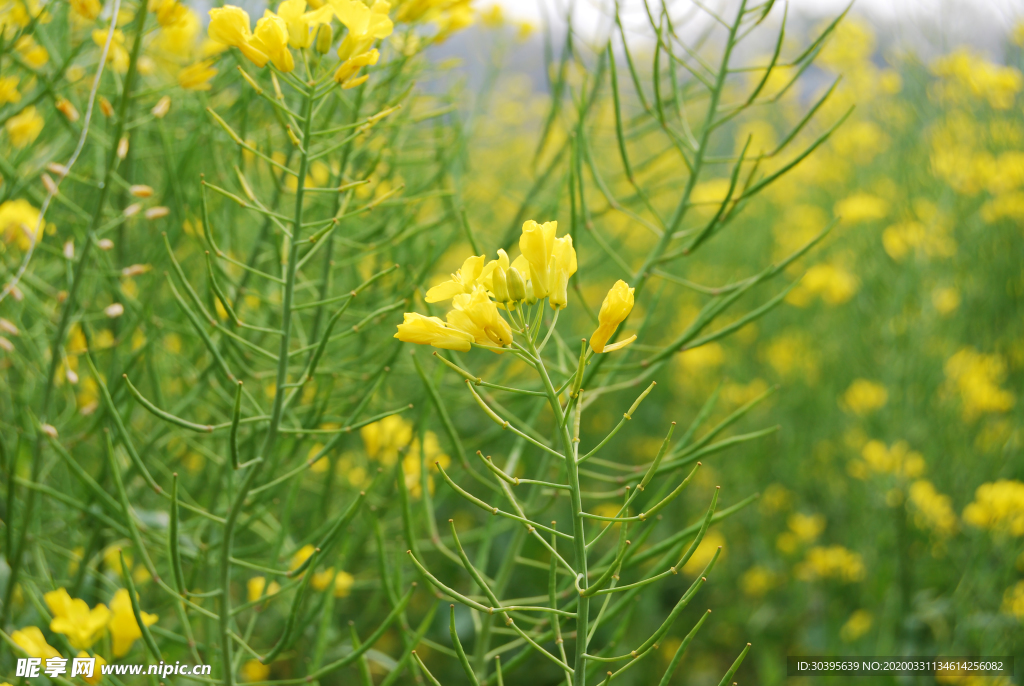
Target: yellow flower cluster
point(864, 397)
point(392, 436)
point(832, 283)
point(831, 562)
point(998, 506)
point(292, 26)
point(976, 378)
point(757, 581)
point(967, 76)
point(83, 626)
point(803, 529)
point(932, 510)
point(897, 459)
point(342, 581)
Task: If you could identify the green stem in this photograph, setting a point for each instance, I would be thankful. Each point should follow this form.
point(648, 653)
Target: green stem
point(578, 533)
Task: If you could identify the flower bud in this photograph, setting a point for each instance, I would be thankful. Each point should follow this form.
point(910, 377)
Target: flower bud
point(500, 285)
point(516, 285)
point(106, 108)
point(324, 38)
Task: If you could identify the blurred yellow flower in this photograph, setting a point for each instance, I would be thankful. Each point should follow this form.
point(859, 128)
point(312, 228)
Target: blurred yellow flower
point(900, 239)
point(117, 53)
point(864, 397)
point(257, 588)
point(897, 459)
point(383, 440)
point(1013, 600)
point(18, 222)
point(713, 540)
point(24, 128)
point(31, 640)
point(707, 357)
point(832, 562)
point(976, 377)
point(551, 261)
point(9, 90)
point(617, 305)
point(34, 54)
point(776, 498)
point(73, 618)
point(998, 506)
point(858, 624)
point(196, 77)
point(757, 581)
point(806, 527)
point(861, 207)
point(970, 76)
point(834, 284)
point(932, 510)
point(97, 672)
point(342, 582)
point(86, 9)
point(791, 355)
point(254, 670)
point(124, 629)
point(945, 300)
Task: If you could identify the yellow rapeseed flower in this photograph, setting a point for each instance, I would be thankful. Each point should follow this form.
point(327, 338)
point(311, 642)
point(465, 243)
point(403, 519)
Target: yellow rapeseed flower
point(998, 506)
point(932, 510)
point(31, 640)
point(807, 528)
point(382, 440)
point(86, 9)
point(124, 630)
point(897, 459)
point(861, 207)
point(432, 331)
point(856, 626)
point(117, 53)
point(864, 397)
point(257, 588)
point(9, 90)
point(196, 77)
point(302, 24)
point(271, 38)
point(616, 307)
point(73, 618)
point(551, 261)
point(365, 25)
point(976, 378)
point(24, 128)
point(831, 562)
point(34, 54)
point(1013, 600)
point(476, 314)
point(230, 25)
point(254, 670)
point(18, 221)
point(757, 581)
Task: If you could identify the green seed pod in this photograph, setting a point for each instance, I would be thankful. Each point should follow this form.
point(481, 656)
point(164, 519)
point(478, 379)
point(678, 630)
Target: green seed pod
point(500, 285)
point(516, 285)
point(324, 38)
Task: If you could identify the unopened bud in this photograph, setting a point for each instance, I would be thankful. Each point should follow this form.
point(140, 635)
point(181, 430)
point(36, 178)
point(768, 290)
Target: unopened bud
point(162, 106)
point(58, 169)
point(122, 148)
point(132, 209)
point(135, 269)
point(6, 345)
point(324, 38)
point(8, 327)
point(67, 109)
point(17, 294)
point(499, 285)
point(140, 191)
point(114, 311)
point(516, 285)
point(49, 429)
point(157, 212)
point(71, 376)
point(48, 183)
point(69, 250)
point(106, 108)
point(104, 244)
